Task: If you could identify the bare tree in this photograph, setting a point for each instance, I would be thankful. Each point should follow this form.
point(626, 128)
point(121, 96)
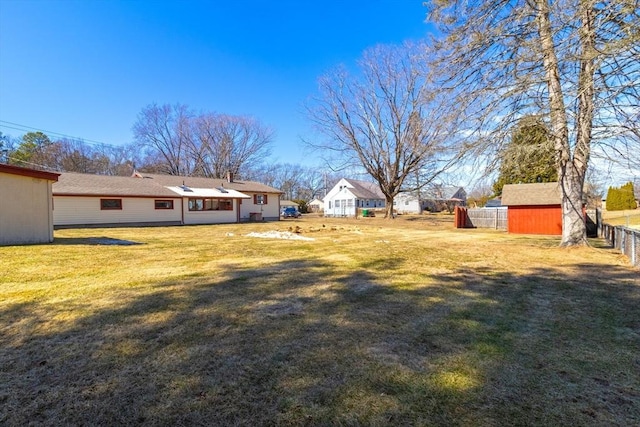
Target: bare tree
point(225, 143)
point(575, 60)
point(165, 129)
point(385, 118)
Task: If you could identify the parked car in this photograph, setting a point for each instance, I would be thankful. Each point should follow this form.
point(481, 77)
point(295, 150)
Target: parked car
point(290, 212)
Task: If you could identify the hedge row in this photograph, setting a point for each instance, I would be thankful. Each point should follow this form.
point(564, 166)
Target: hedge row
point(622, 198)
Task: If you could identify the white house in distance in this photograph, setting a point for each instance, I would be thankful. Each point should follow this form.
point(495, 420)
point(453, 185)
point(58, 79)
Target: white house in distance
point(152, 199)
point(435, 199)
point(349, 195)
point(26, 210)
point(316, 205)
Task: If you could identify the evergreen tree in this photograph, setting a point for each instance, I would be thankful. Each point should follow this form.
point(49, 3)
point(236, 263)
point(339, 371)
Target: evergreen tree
point(529, 157)
point(619, 199)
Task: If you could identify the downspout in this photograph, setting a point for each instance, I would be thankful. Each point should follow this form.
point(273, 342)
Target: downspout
point(182, 209)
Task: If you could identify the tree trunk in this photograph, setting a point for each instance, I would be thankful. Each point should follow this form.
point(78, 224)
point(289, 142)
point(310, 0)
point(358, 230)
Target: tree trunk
point(388, 213)
point(571, 168)
point(574, 228)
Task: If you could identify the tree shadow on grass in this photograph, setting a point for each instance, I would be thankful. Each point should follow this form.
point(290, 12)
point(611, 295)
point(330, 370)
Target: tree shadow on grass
point(296, 343)
point(92, 241)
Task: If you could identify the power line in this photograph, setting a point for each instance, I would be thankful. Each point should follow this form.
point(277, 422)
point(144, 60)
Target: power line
point(25, 128)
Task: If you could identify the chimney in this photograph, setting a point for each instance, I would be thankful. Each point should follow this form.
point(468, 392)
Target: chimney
point(229, 176)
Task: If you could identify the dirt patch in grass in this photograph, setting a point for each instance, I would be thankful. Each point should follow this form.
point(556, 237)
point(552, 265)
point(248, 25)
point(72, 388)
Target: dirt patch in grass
point(409, 322)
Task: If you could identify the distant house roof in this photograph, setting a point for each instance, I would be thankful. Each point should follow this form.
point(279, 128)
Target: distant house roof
point(150, 185)
point(493, 203)
point(31, 173)
point(440, 192)
point(288, 203)
point(538, 194)
point(365, 190)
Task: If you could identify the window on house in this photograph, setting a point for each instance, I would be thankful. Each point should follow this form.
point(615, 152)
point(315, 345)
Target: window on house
point(259, 199)
point(164, 204)
point(110, 204)
point(329, 204)
point(337, 203)
point(210, 204)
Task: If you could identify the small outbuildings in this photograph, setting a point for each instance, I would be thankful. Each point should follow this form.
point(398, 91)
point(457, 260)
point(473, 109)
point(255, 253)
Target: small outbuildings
point(26, 211)
point(533, 208)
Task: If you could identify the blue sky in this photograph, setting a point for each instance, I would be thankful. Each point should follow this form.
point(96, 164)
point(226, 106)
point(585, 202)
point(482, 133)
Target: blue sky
point(86, 68)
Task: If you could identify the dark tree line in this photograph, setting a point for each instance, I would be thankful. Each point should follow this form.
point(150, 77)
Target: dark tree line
point(37, 151)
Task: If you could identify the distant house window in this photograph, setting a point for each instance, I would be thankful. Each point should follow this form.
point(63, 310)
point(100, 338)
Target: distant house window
point(337, 203)
point(210, 204)
point(259, 199)
point(111, 204)
point(329, 204)
point(164, 204)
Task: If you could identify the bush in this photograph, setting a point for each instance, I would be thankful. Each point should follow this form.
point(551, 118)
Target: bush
point(302, 205)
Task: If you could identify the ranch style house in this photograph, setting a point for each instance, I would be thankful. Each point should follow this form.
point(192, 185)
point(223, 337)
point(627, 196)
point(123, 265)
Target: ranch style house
point(81, 200)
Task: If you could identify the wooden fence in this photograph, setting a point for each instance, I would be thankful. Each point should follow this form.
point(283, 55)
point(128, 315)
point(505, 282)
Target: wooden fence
point(626, 240)
point(495, 218)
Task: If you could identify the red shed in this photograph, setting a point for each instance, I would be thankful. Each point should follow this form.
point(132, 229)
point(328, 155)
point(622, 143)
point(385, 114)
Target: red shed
point(533, 208)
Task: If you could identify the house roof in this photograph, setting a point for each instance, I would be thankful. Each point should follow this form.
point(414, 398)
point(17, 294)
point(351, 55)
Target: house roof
point(439, 192)
point(365, 190)
point(31, 173)
point(150, 185)
point(80, 184)
point(544, 193)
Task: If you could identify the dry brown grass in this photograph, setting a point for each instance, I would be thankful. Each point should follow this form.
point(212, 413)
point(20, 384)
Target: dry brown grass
point(408, 322)
point(628, 218)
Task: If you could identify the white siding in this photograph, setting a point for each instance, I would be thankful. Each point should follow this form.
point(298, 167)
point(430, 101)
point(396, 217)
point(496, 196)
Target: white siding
point(270, 211)
point(406, 204)
point(72, 210)
point(339, 192)
point(207, 217)
point(25, 211)
point(343, 203)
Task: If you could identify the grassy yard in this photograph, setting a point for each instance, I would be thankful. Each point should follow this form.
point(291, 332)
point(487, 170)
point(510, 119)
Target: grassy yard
point(409, 322)
point(629, 218)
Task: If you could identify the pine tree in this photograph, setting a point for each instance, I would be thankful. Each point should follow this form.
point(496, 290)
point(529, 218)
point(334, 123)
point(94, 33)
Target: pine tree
point(529, 157)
